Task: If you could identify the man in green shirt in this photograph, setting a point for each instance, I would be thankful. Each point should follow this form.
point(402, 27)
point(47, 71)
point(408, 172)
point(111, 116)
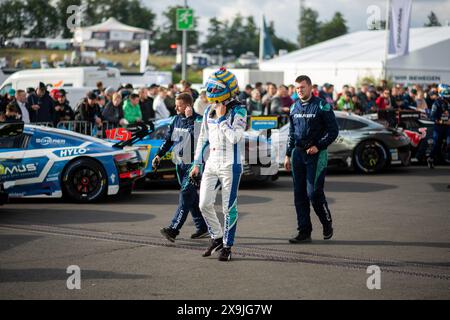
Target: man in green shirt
point(131, 109)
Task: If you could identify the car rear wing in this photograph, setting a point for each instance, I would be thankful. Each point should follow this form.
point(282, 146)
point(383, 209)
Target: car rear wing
point(138, 132)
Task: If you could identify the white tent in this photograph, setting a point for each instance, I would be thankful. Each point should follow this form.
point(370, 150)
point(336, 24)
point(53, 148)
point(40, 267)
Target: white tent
point(110, 33)
point(345, 59)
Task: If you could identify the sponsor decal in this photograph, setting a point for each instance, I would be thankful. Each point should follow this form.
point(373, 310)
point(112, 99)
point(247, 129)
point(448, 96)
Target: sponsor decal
point(46, 141)
point(18, 170)
point(69, 152)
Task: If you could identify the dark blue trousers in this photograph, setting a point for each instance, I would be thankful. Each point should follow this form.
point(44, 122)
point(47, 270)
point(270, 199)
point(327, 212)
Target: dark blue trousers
point(188, 201)
point(308, 172)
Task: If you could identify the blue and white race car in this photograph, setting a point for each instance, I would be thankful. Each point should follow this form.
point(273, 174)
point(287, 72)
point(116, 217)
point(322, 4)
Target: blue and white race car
point(38, 161)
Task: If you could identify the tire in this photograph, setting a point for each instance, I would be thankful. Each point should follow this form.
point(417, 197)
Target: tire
point(84, 180)
point(370, 157)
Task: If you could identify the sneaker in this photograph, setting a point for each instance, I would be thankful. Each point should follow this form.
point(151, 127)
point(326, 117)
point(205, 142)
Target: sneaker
point(200, 234)
point(169, 233)
point(301, 238)
point(430, 163)
point(225, 254)
point(327, 231)
point(215, 244)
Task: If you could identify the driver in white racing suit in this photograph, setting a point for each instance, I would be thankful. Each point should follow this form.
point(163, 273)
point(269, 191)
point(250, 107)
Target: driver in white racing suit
point(223, 126)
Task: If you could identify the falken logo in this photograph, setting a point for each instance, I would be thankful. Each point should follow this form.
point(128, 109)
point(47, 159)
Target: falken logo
point(45, 141)
point(22, 168)
point(72, 152)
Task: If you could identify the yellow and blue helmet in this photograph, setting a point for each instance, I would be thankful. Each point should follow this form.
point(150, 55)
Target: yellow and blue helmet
point(221, 86)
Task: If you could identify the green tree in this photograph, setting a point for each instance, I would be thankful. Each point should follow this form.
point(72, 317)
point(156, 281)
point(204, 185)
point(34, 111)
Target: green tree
point(42, 19)
point(250, 36)
point(130, 12)
point(13, 20)
point(334, 28)
point(215, 35)
point(432, 21)
point(309, 28)
point(280, 43)
point(168, 34)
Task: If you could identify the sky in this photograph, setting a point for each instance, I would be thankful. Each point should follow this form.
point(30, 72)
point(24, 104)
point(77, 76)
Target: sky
point(285, 13)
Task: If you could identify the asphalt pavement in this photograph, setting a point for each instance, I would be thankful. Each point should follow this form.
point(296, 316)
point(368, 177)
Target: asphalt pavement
point(398, 221)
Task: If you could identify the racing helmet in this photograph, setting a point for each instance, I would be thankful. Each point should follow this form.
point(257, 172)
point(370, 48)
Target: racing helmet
point(221, 86)
point(444, 91)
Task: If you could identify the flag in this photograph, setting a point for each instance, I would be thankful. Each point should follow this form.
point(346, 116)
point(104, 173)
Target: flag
point(266, 49)
point(399, 27)
point(144, 55)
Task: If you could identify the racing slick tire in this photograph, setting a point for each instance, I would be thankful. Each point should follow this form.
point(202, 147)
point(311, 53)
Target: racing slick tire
point(370, 156)
point(84, 180)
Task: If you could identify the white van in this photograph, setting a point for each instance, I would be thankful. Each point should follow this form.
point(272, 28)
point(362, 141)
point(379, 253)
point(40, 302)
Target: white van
point(62, 78)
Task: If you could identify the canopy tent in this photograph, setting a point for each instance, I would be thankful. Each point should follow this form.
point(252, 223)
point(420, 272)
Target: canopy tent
point(345, 59)
point(110, 33)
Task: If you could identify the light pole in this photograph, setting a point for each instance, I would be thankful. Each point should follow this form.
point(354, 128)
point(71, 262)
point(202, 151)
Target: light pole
point(184, 51)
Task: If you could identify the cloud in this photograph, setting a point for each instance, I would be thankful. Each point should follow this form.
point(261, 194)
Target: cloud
point(285, 13)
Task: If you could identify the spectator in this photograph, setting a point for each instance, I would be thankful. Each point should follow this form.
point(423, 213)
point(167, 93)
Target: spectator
point(281, 104)
point(161, 111)
point(11, 114)
point(431, 97)
point(268, 97)
point(345, 102)
point(113, 112)
point(315, 92)
point(363, 98)
point(132, 110)
point(21, 105)
point(201, 103)
point(89, 110)
point(146, 105)
point(421, 105)
point(109, 92)
point(384, 101)
point(100, 88)
point(327, 94)
point(170, 99)
point(259, 86)
point(412, 99)
point(357, 108)
point(42, 105)
point(244, 95)
point(345, 88)
point(186, 87)
point(371, 101)
point(254, 105)
point(101, 101)
point(63, 111)
point(153, 91)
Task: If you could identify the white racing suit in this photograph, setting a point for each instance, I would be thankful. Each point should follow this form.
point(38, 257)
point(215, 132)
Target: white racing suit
point(223, 168)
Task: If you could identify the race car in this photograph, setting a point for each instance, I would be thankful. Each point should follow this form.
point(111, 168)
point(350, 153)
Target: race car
point(259, 164)
point(40, 161)
point(362, 144)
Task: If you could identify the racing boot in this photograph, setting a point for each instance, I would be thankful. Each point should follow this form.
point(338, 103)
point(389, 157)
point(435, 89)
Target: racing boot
point(215, 244)
point(225, 254)
point(302, 237)
point(327, 231)
point(169, 233)
point(200, 234)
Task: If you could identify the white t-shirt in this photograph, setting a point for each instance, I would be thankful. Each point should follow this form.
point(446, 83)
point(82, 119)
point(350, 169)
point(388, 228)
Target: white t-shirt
point(161, 111)
point(24, 110)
